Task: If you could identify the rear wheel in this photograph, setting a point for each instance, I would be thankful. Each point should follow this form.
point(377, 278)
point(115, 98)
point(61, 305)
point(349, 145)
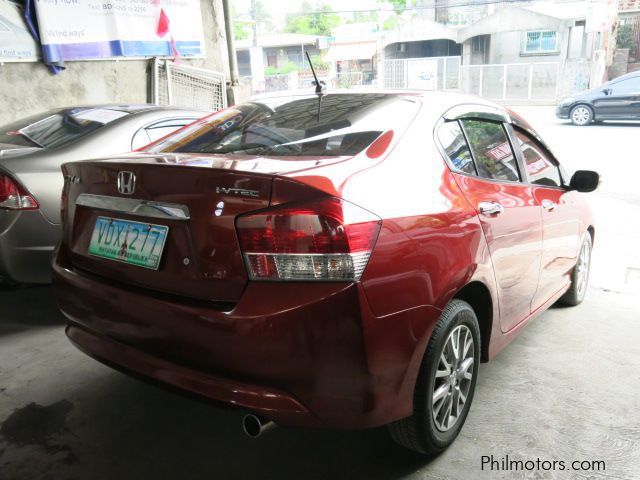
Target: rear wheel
point(581, 115)
point(446, 383)
point(580, 275)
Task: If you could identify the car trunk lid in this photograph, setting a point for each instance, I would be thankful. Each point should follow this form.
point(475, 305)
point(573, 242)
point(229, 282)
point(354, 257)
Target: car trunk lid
point(201, 258)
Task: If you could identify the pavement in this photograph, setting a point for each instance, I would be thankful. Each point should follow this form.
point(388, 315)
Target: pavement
point(565, 390)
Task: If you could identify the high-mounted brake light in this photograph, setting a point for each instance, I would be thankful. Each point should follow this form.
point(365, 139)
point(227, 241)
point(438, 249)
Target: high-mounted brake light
point(323, 240)
point(14, 197)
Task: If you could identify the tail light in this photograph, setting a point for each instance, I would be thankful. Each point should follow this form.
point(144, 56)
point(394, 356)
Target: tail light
point(14, 196)
point(324, 240)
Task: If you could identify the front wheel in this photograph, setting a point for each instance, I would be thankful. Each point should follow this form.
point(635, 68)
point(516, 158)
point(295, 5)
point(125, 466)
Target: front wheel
point(581, 115)
point(446, 383)
point(580, 275)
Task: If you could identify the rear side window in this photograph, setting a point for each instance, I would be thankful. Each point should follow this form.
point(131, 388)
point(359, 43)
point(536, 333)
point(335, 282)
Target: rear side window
point(331, 125)
point(455, 146)
point(55, 129)
point(491, 150)
point(542, 169)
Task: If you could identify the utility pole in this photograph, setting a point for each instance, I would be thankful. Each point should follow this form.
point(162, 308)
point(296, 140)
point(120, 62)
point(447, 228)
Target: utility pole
point(254, 14)
point(231, 48)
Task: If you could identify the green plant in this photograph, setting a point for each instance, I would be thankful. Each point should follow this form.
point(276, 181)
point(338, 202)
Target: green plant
point(390, 23)
point(318, 63)
point(318, 23)
point(625, 38)
point(283, 70)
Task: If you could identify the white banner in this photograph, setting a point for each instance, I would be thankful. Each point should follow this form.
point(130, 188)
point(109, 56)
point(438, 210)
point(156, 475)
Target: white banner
point(84, 29)
point(16, 43)
point(422, 74)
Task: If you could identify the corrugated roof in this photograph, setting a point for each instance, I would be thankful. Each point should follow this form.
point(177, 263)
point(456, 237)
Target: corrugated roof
point(350, 51)
point(279, 40)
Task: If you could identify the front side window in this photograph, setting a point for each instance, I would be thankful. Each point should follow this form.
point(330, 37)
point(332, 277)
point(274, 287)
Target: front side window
point(541, 41)
point(332, 125)
point(491, 150)
point(455, 146)
point(631, 85)
point(542, 169)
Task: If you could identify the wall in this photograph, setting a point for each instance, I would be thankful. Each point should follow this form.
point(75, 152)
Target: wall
point(289, 54)
point(422, 49)
point(29, 88)
point(506, 48)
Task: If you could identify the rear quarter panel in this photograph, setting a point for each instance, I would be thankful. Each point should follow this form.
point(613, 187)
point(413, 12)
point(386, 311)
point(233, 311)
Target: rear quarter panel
point(430, 245)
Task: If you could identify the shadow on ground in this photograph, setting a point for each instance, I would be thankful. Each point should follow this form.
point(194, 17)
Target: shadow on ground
point(28, 307)
point(130, 430)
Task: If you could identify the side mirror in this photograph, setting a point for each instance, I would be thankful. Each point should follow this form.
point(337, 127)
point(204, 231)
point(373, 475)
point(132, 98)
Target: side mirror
point(584, 181)
point(606, 91)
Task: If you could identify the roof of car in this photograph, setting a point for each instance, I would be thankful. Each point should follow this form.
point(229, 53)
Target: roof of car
point(435, 97)
point(135, 108)
point(626, 75)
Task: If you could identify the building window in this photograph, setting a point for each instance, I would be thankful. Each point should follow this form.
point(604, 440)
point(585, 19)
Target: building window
point(541, 41)
point(477, 44)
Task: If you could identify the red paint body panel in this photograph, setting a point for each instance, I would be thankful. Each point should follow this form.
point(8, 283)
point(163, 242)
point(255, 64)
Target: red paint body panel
point(334, 354)
point(514, 239)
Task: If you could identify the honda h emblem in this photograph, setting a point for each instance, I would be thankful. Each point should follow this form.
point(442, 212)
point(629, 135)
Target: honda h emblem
point(126, 182)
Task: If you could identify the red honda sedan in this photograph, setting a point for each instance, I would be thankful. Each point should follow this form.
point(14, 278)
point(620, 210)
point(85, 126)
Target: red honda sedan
point(340, 260)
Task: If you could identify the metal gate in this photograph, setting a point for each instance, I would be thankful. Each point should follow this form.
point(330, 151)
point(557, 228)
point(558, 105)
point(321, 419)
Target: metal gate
point(432, 73)
point(513, 81)
point(187, 86)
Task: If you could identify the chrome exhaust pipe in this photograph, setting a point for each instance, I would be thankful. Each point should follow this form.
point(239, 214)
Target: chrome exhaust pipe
point(254, 426)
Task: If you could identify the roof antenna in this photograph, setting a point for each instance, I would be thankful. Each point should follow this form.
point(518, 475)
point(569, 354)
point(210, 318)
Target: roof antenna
point(320, 86)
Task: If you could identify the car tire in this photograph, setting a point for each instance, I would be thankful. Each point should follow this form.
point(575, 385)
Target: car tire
point(427, 430)
point(580, 275)
point(581, 115)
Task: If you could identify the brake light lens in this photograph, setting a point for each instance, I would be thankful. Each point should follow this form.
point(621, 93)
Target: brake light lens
point(14, 197)
point(324, 240)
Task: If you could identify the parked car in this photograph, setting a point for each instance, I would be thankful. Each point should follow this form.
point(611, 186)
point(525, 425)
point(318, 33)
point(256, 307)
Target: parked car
point(338, 261)
point(31, 153)
point(618, 99)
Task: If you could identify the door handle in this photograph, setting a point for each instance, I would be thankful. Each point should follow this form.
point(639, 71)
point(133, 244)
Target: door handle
point(548, 205)
point(490, 209)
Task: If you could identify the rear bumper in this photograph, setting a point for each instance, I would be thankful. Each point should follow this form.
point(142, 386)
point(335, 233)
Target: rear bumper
point(305, 355)
point(27, 240)
point(277, 404)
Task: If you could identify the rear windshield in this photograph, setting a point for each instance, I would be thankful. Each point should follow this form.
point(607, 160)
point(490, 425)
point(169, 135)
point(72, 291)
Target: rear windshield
point(57, 128)
point(330, 125)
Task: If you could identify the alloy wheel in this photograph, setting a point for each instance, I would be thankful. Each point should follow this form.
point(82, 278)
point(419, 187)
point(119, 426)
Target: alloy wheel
point(453, 378)
point(582, 267)
point(581, 115)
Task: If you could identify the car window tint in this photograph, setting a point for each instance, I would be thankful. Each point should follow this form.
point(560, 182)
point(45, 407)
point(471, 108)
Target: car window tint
point(542, 169)
point(57, 128)
point(296, 126)
point(491, 150)
point(631, 85)
point(452, 140)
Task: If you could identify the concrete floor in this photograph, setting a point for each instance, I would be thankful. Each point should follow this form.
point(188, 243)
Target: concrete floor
point(567, 389)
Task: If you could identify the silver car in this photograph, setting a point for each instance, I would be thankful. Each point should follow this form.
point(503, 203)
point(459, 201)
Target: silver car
point(31, 153)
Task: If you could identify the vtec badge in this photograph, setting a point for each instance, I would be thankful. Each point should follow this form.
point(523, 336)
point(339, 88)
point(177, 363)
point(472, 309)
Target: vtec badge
point(238, 191)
